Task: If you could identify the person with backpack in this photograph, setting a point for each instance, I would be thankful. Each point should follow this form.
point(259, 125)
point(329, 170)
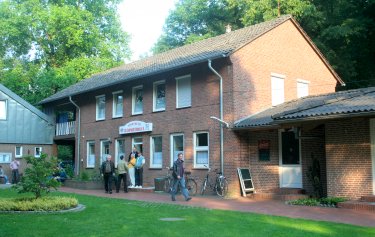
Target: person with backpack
point(139, 170)
point(108, 172)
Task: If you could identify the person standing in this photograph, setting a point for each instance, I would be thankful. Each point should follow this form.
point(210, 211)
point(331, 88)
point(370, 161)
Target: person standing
point(14, 165)
point(139, 170)
point(134, 152)
point(108, 171)
point(122, 169)
point(131, 170)
point(2, 174)
point(179, 179)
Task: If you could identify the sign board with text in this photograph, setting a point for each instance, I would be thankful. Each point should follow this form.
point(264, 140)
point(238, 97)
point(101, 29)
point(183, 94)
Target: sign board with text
point(135, 127)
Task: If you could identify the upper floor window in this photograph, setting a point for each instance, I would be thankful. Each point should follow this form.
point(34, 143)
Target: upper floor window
point(100, 107)
point(137, 100)
point(159, 96)
point(18, 151)
point(183, 91)
point(201, 150)
point(277, 87)
point(3, 109)
point(118, 102)
point(302, 88)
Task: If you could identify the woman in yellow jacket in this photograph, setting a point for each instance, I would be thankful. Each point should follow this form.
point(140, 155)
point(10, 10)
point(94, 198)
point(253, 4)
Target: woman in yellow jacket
point(131, 165)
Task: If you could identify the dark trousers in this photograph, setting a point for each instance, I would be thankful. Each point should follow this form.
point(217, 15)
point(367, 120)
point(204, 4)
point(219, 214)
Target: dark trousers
point(138, 176)
point(108, 182)
point(15, 175)
point(122, 177)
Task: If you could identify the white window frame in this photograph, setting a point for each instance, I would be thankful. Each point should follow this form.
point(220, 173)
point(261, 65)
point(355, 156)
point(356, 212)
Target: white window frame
point(134, 99)
point(178, 81)
point(277, 89)
point(137, 143)
point(173, 156)
point(37, 155)
point(21, 152)
point(115, 102)
point(302, 88)
point(102, 143)
point(3, 109)
point(97, 107)
point(152, 151)
point(201, 148)
point(3, 155)
point(88, 165)
point(117, 149)
point(155, 93)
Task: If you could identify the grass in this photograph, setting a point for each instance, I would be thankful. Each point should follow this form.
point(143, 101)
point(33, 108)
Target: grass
point(118, 217)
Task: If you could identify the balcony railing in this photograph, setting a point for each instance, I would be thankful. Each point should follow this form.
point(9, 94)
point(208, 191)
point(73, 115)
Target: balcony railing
point(65, 128)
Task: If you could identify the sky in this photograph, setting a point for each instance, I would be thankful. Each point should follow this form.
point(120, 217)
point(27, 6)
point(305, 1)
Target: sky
point(143, 20)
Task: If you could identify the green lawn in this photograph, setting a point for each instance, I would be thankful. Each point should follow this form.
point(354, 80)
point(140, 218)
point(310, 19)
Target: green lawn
point(114, 217)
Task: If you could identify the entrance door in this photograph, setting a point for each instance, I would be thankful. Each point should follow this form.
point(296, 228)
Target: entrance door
point(290, 160)
point(372, 132)
point(104, 150)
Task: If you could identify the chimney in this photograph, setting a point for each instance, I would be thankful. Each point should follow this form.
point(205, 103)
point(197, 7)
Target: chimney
point(228, 28)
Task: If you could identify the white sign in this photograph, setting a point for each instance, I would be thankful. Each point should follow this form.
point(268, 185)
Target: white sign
point(135, 127)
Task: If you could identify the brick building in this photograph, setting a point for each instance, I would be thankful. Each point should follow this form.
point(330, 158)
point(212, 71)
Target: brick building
point(174, 101)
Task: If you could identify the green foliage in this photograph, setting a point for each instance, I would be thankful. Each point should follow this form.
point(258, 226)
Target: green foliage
point(332, 201)
point(40, 204)
point(85, 176)
point(305, 202)
point(328, 201)
point(46, 46)
point(38, 176)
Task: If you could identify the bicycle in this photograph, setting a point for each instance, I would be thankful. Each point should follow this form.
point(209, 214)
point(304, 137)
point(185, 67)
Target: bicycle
point(220, 187)
point(190, 183)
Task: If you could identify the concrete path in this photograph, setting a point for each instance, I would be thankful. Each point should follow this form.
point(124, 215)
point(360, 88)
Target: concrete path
point(268, 207)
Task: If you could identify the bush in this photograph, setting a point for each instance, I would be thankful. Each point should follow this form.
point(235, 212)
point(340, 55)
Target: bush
point(40, 204)
point(332, 201)
point(329, 201)
point(305, 202)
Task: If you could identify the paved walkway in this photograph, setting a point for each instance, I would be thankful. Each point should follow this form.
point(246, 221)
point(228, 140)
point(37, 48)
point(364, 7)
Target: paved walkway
point(268, 207)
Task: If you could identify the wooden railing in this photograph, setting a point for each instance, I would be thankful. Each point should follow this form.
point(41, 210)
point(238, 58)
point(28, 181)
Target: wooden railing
point(65, 128)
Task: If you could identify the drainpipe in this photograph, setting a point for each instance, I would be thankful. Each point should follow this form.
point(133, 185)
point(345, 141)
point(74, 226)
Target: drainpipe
point(78, 133)
point(221, 117)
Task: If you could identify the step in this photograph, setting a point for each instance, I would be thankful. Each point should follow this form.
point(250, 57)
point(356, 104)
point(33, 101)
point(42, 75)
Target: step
point(358, 205)
point(143, 190)
point(369, 198)
point(276, 196)
point(286, 191)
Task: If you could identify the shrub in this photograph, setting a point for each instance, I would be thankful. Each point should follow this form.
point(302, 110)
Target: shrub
point(332, 201)
point(305, 202)
point(40, 204)
point(38, 176)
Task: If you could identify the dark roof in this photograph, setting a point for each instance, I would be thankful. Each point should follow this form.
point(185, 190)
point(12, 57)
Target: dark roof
point(343, 103)
point(24, 103)
point(212, 48)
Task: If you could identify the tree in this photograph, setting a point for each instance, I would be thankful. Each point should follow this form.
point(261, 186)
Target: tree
point(38, 176)
point(342, 30)
point(51, 44)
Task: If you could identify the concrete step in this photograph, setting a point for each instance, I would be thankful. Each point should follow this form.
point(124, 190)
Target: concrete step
point(276, 196)
point(358, 205)
point(143, 189)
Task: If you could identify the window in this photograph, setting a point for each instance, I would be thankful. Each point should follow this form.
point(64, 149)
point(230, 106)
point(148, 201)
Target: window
point(277, 86)
point(3, 109)
point(37, 151)
point(183, 91)
point(159, 96)
point(137, 142)
point(156, 154)
point(5, 157)
point(290, 148)
point(104, 150)
point(137, 100)
point(100, 107)
point(18, 151)
point(118, 102)
point(90, 154)
point(177, 143)
point(302, 88)
point(120, 150)
point(201, 153)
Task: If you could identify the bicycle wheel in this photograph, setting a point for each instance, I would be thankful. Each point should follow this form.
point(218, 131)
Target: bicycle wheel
point(191, 186)
point(168, 185)
point(221, 186)
point(204, 185)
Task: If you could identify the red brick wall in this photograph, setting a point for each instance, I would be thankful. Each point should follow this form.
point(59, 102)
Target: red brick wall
point(348, 154)
point(284, 51)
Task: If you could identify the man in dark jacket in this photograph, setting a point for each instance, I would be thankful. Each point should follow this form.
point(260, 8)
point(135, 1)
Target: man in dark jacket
point(108, 172)
point(178, 178)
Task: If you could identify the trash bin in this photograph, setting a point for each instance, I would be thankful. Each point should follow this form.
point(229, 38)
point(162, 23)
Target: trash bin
point(159, 184)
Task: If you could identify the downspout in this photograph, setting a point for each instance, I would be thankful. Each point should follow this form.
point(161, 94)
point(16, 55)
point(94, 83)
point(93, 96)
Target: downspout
point(78, 134)
point(221, 117)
